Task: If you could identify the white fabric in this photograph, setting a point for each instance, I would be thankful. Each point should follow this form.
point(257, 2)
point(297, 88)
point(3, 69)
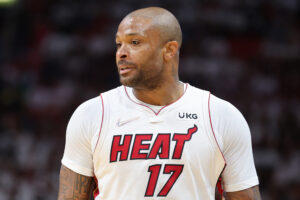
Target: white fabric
point(83, 126)
point(235, 141)
point(88, 149)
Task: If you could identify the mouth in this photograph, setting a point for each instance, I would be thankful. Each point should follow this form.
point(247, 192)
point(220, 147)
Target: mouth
point(124, 69)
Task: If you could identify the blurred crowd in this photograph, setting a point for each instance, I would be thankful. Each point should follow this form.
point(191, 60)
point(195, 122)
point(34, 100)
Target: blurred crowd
point(56, 54)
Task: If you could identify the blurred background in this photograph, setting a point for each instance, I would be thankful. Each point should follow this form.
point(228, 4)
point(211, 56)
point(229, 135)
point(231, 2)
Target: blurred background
point(56, 54)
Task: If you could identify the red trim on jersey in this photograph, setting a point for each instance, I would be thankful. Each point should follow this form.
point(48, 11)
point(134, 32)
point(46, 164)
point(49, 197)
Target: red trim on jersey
point(219, 186)
point(213, 128)
point(96, 190)
point(101, 121)
point(219, 182)
point(156, 113)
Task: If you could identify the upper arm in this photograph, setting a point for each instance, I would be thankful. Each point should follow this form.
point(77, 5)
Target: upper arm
point(76, 174)
point(82, 130)
point(74, 186)
point(235, 141)
point(247, 194)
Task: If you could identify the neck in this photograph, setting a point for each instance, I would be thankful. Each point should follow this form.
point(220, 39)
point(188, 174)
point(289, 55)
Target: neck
point(166, 94)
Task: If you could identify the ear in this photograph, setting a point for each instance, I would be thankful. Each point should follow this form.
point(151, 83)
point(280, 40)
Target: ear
point(170, 50)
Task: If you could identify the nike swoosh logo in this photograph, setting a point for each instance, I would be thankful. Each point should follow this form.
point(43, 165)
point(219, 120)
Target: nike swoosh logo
point(123, 122)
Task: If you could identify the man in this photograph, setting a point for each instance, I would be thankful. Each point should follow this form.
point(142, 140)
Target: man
point(155, 136)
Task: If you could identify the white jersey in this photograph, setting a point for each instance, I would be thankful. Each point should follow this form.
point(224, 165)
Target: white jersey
point(178, 152)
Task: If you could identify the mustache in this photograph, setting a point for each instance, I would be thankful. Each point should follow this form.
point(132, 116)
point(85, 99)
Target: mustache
point(125, 62)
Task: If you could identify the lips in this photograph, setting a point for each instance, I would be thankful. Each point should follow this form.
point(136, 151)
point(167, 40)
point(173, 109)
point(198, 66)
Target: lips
point(125, 69)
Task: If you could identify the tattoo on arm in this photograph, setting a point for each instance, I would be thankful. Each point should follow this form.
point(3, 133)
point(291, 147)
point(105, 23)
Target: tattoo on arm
point(73, 186)
point(248, 194)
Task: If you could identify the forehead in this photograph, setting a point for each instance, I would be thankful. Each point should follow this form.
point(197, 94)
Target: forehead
point(134, 25)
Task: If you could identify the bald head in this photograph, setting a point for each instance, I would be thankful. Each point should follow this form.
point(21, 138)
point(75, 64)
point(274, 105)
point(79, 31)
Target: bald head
point(161, 19)
point(148, 42)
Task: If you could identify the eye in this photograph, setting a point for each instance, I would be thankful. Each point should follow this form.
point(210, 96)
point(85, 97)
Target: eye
point(135, 42)
point(118, 45)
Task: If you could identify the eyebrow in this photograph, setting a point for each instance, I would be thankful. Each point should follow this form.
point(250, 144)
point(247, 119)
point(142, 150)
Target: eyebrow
point(130, 34)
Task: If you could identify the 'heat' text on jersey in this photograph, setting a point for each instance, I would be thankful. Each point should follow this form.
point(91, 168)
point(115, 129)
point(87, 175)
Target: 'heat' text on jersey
point(161, 146)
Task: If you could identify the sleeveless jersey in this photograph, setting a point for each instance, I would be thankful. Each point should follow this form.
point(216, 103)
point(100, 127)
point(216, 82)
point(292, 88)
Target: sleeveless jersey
point(173, 153)
point(170, 153)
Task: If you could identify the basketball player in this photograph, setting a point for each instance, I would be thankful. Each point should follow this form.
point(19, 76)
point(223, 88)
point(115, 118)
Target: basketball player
point(156, 137)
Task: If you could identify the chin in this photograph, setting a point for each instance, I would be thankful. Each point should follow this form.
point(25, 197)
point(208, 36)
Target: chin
point(138, 82)
point(127, 82)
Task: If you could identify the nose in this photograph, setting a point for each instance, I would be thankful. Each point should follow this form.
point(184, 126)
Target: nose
point(122, 52)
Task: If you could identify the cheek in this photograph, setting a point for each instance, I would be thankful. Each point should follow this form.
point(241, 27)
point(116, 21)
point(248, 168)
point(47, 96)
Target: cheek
point(143, 56)
point(157, 58)
point(153, 64)
point(147, 57)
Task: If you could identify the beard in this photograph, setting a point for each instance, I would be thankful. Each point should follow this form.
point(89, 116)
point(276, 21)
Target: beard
point(143, 78)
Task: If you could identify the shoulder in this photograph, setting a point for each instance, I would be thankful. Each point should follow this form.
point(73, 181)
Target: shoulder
point(223, 109)
point(113, 92)
point(89, 107)
point(228, 122)
point(197, 91)
point(219, 107)
point(197, 95)
point(85, 117)
point(94, 105)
